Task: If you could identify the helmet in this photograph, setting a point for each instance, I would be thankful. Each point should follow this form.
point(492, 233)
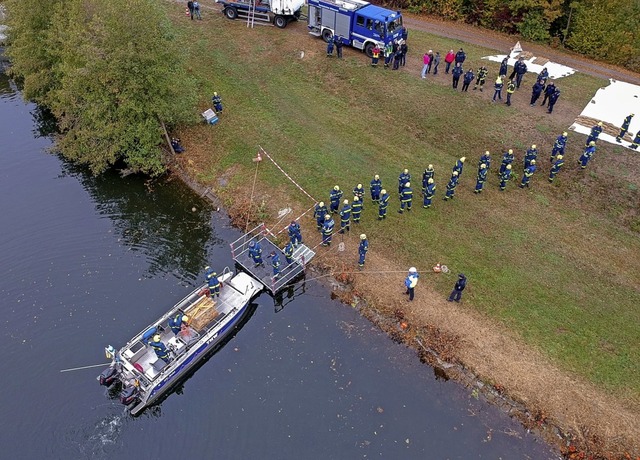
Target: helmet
point(483, 166)
point(359, 186)
point(376, 177)
point(406, 171)
point(408, 184)
point(559, 157)
point(363, 237)
point(533, 146)
point(336, 188)
point(455, 173)
point(383, 191)
point(215, 93)
point(156, 338)
point(346, 202)
point(599, 123)
point(185, 318)
point(592, 143)
point(430, 181)
point(321, 204)
point(430, 167)
point(207, 268)
point(412, 270)
point(355, 198)
point(462, 159)
point(508, 166)
point(533, 162)
point(510, 151)
point(487, 153)
point(564, 133)
point(327, 217)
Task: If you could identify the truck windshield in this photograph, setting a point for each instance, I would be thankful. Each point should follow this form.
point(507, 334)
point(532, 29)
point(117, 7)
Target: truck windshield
point(394, 26)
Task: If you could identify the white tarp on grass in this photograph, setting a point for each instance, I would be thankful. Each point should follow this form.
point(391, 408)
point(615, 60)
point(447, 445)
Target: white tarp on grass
point(555, 70)
point(612, 104)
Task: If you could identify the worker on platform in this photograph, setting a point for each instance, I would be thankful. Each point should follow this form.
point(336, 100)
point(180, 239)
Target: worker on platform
point(461, 283)
point(160, 348)
point(383, 204)
point(594, 134)
point(294, 233)
point(362, 250)
point(406, 197)
point(486, 159)
point(217, 102)
point(505, 177)
point(559, 146)
point(528, 173)
point(345, 217)
point(334, 199)
point(327, 230)
point(375, 186)
point(507, 159)
point(451, 186)
point(358, 191)
point(459, 165)
point(555, 167)
point(319, 212)
point(177, 321)
point(429, 192)
point(428, 173)
point(530, 155)
point(403, 178)
point(587, 154)
point(214, 285)
point(356, 209)
point(255, 252)
point(275, 264)
point(482, 178)
point(624, 128)
point(288, 252)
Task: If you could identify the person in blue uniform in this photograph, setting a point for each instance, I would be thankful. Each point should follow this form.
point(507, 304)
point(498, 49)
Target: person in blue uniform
point(461, 283)
point(548, 91)
point(624, 128)
point(217, 102)
point(536, 91)
point(330, 47)
point(505, 177)
point(486, 159)
point(403, 178)
point(497, 88)
point(294, 233)
point(160, 348)
point(214, 285)
point(459, 165)
point(255, 251)
point(429, 193)
point(207, 273)
point(362, 250)
point(358, 191)
point(411, 281)
point(356, 209)
point(555, 167)
point(383, 204)
point(428, 173)
point(176, 145)
point(406, 198)
point(553, 99)
point(288, 252)
point(334, 199)
point(375, 186)
point(319, 212)
point(504, 66)
point(468, 78)
point(594, 134)
point(275, 264)
point(456, 73)
point(507, 159)
point(482, 178)
point(176, 322)
point(345, 217)
point(528, 174)
point(587, 154)
point(636, 141)
point(559, 146)
point(543, 76)
point(530, 155)
point(451, 186)
point(520, 69)
point(327, 230)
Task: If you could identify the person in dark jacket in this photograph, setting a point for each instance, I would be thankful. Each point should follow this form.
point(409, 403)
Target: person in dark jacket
point(457, 73)
point(482, 178)
point(319, 212)
point(339, 44)
point(520, 69)
point(548, 91)
point(594, 134)
point(456, 294)
point(530, 155)
point(468, 78)
point(555, 168)
point(435, 62)
point(553, 99)
point(498, 88)
point(504, 66)
point(624, 128)
point(636, 141)
point(191, 9)
point(288, 252)
point(460, 57)
point(216, 100)
point(160, 348)
point(362, 250)
point(375, 186)
point(536, 91)
point(175, 144)
point(295, 235)
point(403, 53)
point(275, 264)
point(543, 76)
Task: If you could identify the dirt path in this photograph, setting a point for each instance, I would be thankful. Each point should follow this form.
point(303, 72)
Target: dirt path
point(495, 40)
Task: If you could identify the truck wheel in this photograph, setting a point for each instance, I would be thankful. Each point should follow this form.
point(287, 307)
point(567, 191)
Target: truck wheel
point(327, 35)
point(231, 13)
point(368, 49)
point(280, 22)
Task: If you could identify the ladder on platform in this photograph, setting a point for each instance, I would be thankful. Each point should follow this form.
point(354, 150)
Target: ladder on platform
point(252, 16)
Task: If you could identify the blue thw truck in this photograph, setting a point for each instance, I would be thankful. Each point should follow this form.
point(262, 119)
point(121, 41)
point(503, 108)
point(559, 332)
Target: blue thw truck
point(357, 23)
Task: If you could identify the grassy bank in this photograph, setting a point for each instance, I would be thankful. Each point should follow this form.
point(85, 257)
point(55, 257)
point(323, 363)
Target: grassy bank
point(559, 264)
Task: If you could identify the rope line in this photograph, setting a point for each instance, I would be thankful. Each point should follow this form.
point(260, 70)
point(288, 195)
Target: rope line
point(287, 175)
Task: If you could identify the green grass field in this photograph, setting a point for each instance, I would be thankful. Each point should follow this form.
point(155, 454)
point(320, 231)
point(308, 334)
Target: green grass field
point(558, 264)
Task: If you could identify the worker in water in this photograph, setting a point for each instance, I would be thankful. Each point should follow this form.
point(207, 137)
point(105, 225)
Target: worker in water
point(275, 264)
point(403, 179)
point(177, 321)
point(345, 217)
point(411, 281)
point(160, 348)
point(505, 177)
point(624, 128)
point(486, 159)
point(214, 285)
point(594, 134)
point(459, 165)
point(294, 233)
point(327, 230)
point(559, 146)
point(288, 252)
point(362, 250)
point(334, 199)
point(375, 186)
point(507, 159)
point(451, 186)
point(530, 155)
point(555, 167)
point(358, 191)
point(255, 251)
point(587, 154)
point(528, 173)
point(428, 173)
point(482, 178)
point(319, 212)
point(461, 283)
point(429, 192)
point(217, 102)
point(383, 205)
point(406, 197)
point(356, 209)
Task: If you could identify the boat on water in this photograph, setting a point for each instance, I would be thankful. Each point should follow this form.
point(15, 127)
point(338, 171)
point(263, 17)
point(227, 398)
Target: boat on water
point(204, 323)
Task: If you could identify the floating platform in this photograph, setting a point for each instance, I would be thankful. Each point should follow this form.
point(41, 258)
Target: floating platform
point(264, 273)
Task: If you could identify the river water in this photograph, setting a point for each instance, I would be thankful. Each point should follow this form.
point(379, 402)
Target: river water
point(88, 262)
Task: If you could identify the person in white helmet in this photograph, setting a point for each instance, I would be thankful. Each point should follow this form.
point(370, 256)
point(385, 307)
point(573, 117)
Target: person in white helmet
point(411, 281)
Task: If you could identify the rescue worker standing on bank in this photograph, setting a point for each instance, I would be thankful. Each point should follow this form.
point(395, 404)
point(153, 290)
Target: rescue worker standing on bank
point(451, 186)
point(553, 99)
point(411, 281)
point(507, 159)
point(426, 175)
point(356, 209)
point(358, 191)
point(362, 250)
point(334, 199)
point(587, 154)
point(636, 141)
point(594, 134)
point(468, 78)
point(403, 179)
point(456, 73)
point(456, 294)
point(528, 174)
point(345, 217)
point(482, 178)
point(505, 177)
point(383, 204)
point(559, 146)
point(327, 230)
point(624, 128)
point(319, 212)
point(530, 155)
point(375, 186)
point(375, 56)
point(511, 88)
point(555, 168)
point(429, 192)
point(406, 198)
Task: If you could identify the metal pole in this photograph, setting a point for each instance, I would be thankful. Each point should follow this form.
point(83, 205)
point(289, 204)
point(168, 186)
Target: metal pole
point(566, 31)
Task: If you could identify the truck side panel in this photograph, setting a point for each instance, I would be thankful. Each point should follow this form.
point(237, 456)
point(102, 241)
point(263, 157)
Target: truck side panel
point(343, 25)
point(329, 19)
